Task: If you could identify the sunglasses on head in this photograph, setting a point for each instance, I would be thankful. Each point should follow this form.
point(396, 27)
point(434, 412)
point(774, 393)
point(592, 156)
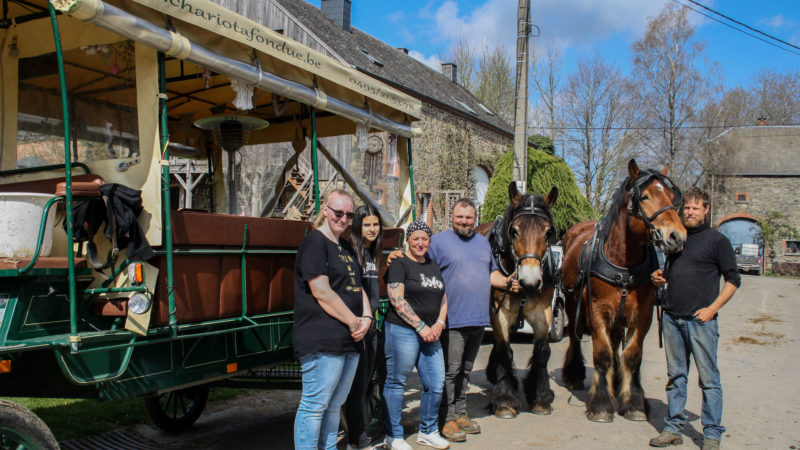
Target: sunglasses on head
point(340, 214)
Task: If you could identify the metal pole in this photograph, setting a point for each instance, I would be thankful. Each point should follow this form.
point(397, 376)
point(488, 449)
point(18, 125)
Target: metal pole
point(411, 181)
point(521, 100)
point(165, 197)
point(314, 159)
point(74, 339)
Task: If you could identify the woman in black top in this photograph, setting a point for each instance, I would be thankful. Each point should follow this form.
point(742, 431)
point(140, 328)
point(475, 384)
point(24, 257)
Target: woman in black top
point(331, 317)
point(414, 324)
point(365, 235)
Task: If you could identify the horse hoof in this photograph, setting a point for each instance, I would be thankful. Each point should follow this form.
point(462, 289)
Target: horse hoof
point(636, 416)
point(505, 412)
point(602, 417)
point(542, 410)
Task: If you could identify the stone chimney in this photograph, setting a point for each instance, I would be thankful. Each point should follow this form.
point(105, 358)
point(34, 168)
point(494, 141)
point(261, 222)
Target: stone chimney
point(761, 121)
point(450, 70)
point(338, 11)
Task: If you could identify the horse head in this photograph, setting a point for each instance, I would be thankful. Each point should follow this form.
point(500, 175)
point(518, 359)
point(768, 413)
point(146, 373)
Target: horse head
point(528, 232)
point(654, 200)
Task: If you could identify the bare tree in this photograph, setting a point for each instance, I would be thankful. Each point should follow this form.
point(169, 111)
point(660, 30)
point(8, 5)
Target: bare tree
point(599, 117)
point(487, 74)
point(547, 84)
point(495, 81)
point(668, 87)
point(777, 96)
point(465, 57)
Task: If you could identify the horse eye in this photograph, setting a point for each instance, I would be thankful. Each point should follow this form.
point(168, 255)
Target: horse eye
point(514, 232)
point(645, 197)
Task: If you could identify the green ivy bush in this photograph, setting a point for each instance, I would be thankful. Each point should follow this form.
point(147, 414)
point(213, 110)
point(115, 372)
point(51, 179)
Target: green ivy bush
point(544, 172)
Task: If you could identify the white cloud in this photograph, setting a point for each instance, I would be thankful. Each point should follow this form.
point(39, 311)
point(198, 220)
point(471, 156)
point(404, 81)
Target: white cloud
point(431, 61)
point(779, 21)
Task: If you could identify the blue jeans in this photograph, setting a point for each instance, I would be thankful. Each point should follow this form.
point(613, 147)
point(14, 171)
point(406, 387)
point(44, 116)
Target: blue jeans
point(404, 349)
point(684, 337)
point(326, 382)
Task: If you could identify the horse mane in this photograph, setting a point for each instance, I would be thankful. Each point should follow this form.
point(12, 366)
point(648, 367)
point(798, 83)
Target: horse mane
point(614, 208)
point(538, 202)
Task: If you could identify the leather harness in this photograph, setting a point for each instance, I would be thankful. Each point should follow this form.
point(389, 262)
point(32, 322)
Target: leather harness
point(592, 260)
point(503, 249)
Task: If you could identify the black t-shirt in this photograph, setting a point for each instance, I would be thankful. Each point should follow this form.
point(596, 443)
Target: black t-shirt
point(370, 282)
point(424, 289)
point(314, 330)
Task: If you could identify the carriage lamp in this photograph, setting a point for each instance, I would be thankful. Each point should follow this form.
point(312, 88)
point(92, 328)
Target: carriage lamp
point(139, 303)
point(135, 273)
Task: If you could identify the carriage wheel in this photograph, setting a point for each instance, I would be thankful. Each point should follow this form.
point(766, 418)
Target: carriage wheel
point(556, 332)
point(177, 411)
point(21, 429)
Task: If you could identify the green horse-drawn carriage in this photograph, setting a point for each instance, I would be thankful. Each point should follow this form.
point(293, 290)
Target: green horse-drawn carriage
point(98, 96)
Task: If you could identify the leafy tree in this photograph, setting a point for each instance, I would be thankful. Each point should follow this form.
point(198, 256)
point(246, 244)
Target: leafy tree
point(542, 143)
point(776, 225)
point(544, 172)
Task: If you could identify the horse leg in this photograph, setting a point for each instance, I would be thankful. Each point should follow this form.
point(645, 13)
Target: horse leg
point(504, 395)
point(537, 384)
point(573, 371)
point(632, 404)
point(600, 401)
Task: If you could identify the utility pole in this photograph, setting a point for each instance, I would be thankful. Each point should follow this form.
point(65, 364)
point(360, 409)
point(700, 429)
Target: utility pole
point(521, 97)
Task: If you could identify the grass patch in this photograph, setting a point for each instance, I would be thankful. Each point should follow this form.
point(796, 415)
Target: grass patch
point(748, 340)
point(74, 418)
point(775, 336)
point(762, 318)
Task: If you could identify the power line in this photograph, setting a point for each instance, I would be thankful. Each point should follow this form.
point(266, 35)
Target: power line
point(745, 25)
point(740, 30)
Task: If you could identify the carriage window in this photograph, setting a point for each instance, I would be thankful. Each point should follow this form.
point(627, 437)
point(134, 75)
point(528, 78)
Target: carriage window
point(792, 248)
point(102, 104)
point(742, 197)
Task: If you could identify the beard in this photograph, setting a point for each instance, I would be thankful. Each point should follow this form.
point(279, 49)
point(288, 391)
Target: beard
point(463, 232)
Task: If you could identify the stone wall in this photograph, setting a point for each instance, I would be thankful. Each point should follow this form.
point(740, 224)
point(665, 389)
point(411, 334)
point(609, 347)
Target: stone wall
point(449, 147)
point(763, 194)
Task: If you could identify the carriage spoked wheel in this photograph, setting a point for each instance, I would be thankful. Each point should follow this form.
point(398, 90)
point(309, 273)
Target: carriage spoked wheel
point(558, 324)
point(177, 411)
point(21, 429)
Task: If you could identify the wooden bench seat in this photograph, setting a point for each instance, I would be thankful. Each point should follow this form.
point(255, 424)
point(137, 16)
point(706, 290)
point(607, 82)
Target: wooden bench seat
point(44, 262)
point(50, 185)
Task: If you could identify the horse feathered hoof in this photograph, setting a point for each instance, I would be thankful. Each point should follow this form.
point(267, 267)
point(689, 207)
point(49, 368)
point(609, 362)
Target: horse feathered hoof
point(636, 416)
point(542, 410)
point(602, 417)
point(505, 412)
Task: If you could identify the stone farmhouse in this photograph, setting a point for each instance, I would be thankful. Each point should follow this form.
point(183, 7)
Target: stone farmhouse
point(758, 171)
point(461, 138)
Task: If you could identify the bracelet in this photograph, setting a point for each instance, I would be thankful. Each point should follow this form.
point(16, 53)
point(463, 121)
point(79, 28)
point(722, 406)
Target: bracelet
point(420, 327)
point(372, 319)
point(441, 322)
point(354, 326)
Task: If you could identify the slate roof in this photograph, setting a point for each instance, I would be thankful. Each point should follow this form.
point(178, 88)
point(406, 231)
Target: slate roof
point(759, 151)
point(393, 66)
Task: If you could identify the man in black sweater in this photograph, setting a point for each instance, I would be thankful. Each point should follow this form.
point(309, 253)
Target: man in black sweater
point(690, 320)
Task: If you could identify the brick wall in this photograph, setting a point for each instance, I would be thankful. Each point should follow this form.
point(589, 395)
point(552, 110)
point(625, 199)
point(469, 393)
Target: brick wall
point(762, 194)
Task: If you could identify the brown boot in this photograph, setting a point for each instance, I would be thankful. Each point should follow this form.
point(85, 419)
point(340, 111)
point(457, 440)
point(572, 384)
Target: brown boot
point(467, 425)
point(665, 439)
point(452, 432)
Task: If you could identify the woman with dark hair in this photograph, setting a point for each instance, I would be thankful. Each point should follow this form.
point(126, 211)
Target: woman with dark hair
point(365, 236)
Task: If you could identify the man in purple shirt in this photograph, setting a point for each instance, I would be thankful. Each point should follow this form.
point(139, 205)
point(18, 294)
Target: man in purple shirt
point(469, 272)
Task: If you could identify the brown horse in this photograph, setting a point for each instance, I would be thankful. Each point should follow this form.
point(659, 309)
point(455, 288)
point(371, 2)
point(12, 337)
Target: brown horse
point(520, 245)
point(606, 276)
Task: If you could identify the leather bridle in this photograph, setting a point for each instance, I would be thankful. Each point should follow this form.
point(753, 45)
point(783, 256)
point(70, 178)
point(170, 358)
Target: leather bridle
point(645, 178)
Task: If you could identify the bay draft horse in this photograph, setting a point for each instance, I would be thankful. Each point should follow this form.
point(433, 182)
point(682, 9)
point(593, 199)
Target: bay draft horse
point(606, 277)
point(520, 243)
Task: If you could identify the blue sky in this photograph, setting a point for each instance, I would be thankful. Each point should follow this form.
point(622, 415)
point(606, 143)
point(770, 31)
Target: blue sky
point(429, 28)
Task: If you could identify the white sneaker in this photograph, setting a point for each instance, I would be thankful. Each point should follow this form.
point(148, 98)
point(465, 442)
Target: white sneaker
point(432, 439)
point(397, 443)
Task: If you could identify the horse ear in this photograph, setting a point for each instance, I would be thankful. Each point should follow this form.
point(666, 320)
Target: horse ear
point(550, 198)
point(665, 170)
point(633, 169)
point(513, 194)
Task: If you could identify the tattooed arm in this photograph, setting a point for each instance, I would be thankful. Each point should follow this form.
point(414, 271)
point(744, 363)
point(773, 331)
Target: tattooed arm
point(404, 310)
